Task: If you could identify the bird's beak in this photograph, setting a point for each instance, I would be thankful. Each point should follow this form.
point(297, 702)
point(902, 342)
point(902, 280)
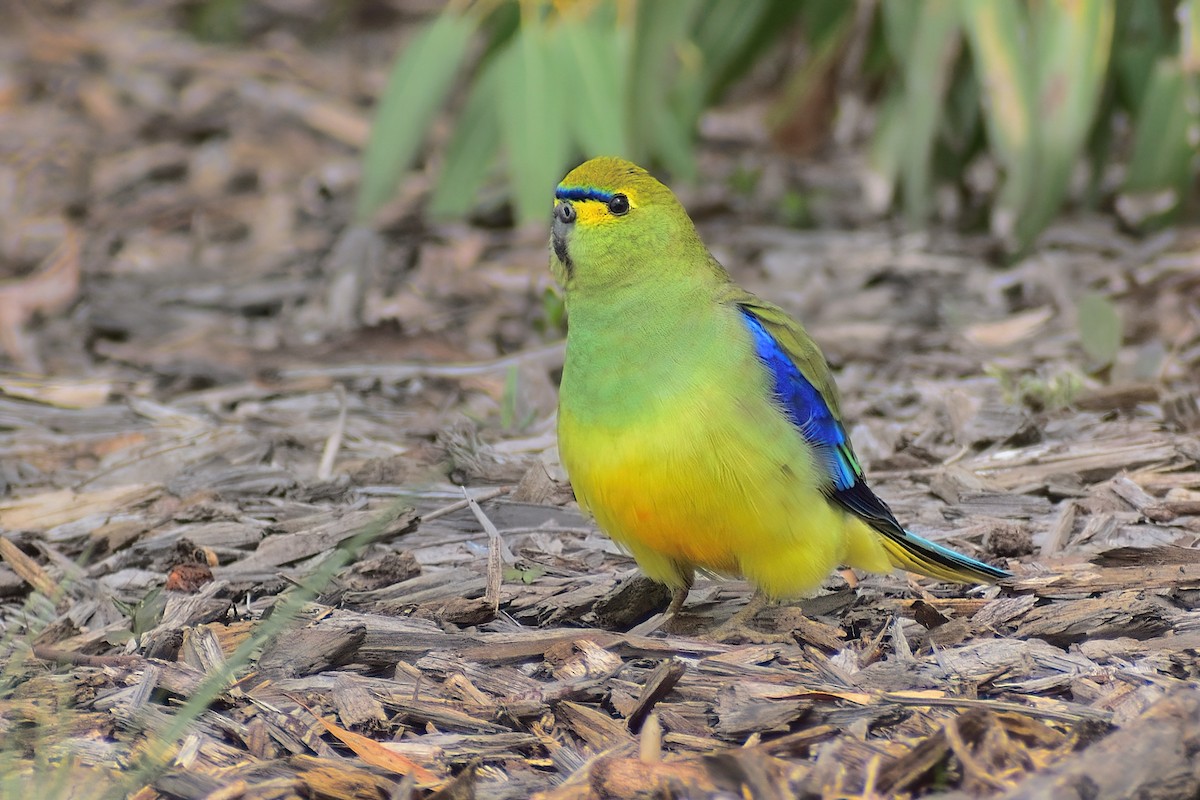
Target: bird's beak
point(564, 222)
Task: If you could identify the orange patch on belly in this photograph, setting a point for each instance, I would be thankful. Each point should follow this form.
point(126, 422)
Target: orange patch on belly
point(660, 514)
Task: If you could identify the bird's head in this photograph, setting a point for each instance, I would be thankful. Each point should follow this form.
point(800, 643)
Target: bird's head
point(616, 225)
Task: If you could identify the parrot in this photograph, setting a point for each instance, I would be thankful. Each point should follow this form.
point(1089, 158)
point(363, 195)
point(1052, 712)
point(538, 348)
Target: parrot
point(700, 425)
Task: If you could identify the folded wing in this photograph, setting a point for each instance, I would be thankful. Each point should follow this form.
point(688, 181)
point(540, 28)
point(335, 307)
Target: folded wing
point(804, 388)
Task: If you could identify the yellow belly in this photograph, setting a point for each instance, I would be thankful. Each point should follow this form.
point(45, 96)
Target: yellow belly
point(691, 489)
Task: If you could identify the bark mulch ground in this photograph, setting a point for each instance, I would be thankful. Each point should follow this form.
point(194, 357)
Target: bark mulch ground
point(277, 524)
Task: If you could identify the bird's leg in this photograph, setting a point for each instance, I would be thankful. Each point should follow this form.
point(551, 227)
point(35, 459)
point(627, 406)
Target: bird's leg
point(678, 598)
point(667, 620)
point(738, 626)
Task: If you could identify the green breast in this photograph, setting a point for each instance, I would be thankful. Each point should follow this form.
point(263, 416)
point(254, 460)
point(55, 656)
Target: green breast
point(623, 367)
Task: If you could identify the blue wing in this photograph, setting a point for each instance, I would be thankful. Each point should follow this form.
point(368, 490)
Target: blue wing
point(807, 409)
point(810, 412)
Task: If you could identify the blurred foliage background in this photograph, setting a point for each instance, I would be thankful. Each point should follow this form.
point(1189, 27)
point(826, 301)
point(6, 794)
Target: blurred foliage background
point(1011, 109)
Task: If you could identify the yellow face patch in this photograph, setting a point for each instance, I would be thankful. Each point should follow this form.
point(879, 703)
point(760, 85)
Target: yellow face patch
point(591, 204)
point(593, 212)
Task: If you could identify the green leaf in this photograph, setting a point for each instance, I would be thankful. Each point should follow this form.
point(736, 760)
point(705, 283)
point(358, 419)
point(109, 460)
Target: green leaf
point(149, 611)
point(526, 576)
point(508, 401)
point(806, 89)
point(554, 311)
point(886, 152)
point(1161, 151)
point(960, 131)
point(927, 71)
point(118, 638)
point(660, 29)
point(1164, 161)
point(732, 36)
point(899, 29)
point(472, 149)
point(1141, 35)
point(1073, 41)
point(1100, 330)
point(534, 129)
point(1189, 35)
point(674, 135)
point(221, 21)
point(417, 87)
point(590, 51)
point(999, 37)
point(1043, 71)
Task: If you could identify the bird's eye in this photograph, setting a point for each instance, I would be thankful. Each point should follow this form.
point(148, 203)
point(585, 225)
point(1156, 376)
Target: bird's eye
point(618, 205)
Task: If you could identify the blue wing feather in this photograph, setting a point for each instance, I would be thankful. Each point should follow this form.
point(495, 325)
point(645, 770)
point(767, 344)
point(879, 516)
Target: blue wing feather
point(809, 411)
point(806, 408)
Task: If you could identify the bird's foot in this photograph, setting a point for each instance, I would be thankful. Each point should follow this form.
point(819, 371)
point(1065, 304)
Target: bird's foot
point(744, 634)
point(737, 628)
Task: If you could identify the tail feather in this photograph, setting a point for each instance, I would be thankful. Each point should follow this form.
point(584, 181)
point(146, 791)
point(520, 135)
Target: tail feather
point(911, 552)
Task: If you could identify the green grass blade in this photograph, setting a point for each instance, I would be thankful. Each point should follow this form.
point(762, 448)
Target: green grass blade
point(886, 152)
point(720, 30)
point(998, 34)
point(153, 758)
point(1161, 151)
point(936, 43)
point(1189, 36)
point(807, 87)
point(732, 35)
point(532, 122)
point(960, 131)
point(659, 30)
point(590, 51)
point(417, 87)
point(1073, 41)
point(899, 25)
point(472, 149)
point(675, 134)
point(1140, 36)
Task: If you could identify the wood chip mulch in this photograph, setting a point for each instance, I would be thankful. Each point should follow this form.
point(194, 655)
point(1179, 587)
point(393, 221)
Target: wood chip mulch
point(237, 559)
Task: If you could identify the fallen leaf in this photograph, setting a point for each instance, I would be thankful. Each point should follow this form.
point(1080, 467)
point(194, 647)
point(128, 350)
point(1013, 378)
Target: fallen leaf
point(48, 510)
point(1007, 332)
point(377, 754)
point(60, 392)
